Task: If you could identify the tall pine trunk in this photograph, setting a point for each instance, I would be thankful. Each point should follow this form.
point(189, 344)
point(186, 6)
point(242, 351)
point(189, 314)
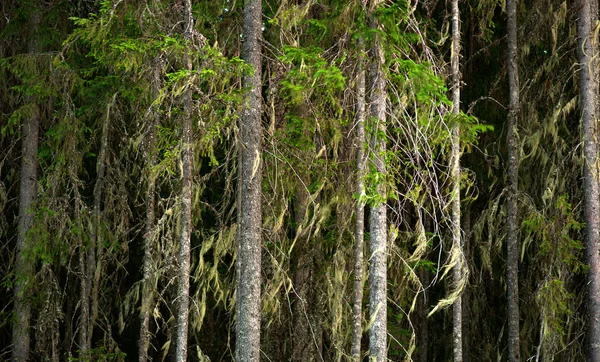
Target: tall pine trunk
point(512, 241)
point(588, 83)
point(149, 250)
point(186, 197)
point(27, 194)
point(360, 208)
point(248, 262)
point(378, 224)
point(458, 269)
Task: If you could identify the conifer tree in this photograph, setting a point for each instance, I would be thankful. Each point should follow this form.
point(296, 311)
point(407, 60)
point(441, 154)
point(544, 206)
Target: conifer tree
point(186, 194)
point(588, 88)
point(27, 195)
point(458, 268)
point(248, 265)
point(512, 258)
point(378, 219)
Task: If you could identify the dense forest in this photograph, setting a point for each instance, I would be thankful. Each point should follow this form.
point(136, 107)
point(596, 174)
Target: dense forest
point(299, 180)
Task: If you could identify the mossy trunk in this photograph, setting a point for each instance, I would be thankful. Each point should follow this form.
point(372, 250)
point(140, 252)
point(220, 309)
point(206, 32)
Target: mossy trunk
point(186, 198)
point(27, 195)
point(248, 261)
point(378, 219)
point(457, 271)
point(360, 210)
point(149, 282)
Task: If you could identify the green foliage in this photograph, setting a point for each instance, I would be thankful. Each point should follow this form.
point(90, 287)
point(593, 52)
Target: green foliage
point(101, 354)
point(311, 75)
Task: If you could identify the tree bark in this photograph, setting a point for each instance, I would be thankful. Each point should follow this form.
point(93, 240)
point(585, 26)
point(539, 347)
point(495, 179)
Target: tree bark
point(27, 195)
point(588, 83)
point(360, 209)
point(512, 241)
point(248, 262)
point(466, 296)
point(93, 269)
point(305, 348)
point(455, 174)
point(186, 198)
point(149, 250)
point(378, 219)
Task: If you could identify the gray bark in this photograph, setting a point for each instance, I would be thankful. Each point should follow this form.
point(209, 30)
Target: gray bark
point(512, 241)
point(360, 210)
point(588, 83)
point(378, 224)
point(149, 250)
point(457, 270)
point(27, 195)
point(186, 200)
point(248, 262)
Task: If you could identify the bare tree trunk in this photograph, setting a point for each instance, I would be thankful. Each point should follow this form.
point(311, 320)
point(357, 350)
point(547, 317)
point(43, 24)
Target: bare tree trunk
point(248, 261)
point(360, 209)
point(149, 250)
point(466, 296)
point(512, 241)
point(27, 194)
point(186, 199)
point(455, 173)
point(588, 82)
point(378, 219)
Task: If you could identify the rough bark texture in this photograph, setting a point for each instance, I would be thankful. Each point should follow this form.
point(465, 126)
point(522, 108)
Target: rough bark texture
point(378, 224)
point(455, 170)
point(512, 242)
point(149, 250)
point(360, 212)
point(27, 195)
point(466, 296)
point(588, 82)
point(248, 260)
point(306, 329)
point(186, 201)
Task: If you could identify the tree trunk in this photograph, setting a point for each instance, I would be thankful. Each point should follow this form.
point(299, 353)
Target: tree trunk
point(360, 209)
point(186, 198)
point(27, 194)
point(466, 296)
point(455, 174)
point(588, 82)
point(512, 241)
point(248, 262)
point(378, 224)
point(92, 271)
point(304, 346)
point(149, 250)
